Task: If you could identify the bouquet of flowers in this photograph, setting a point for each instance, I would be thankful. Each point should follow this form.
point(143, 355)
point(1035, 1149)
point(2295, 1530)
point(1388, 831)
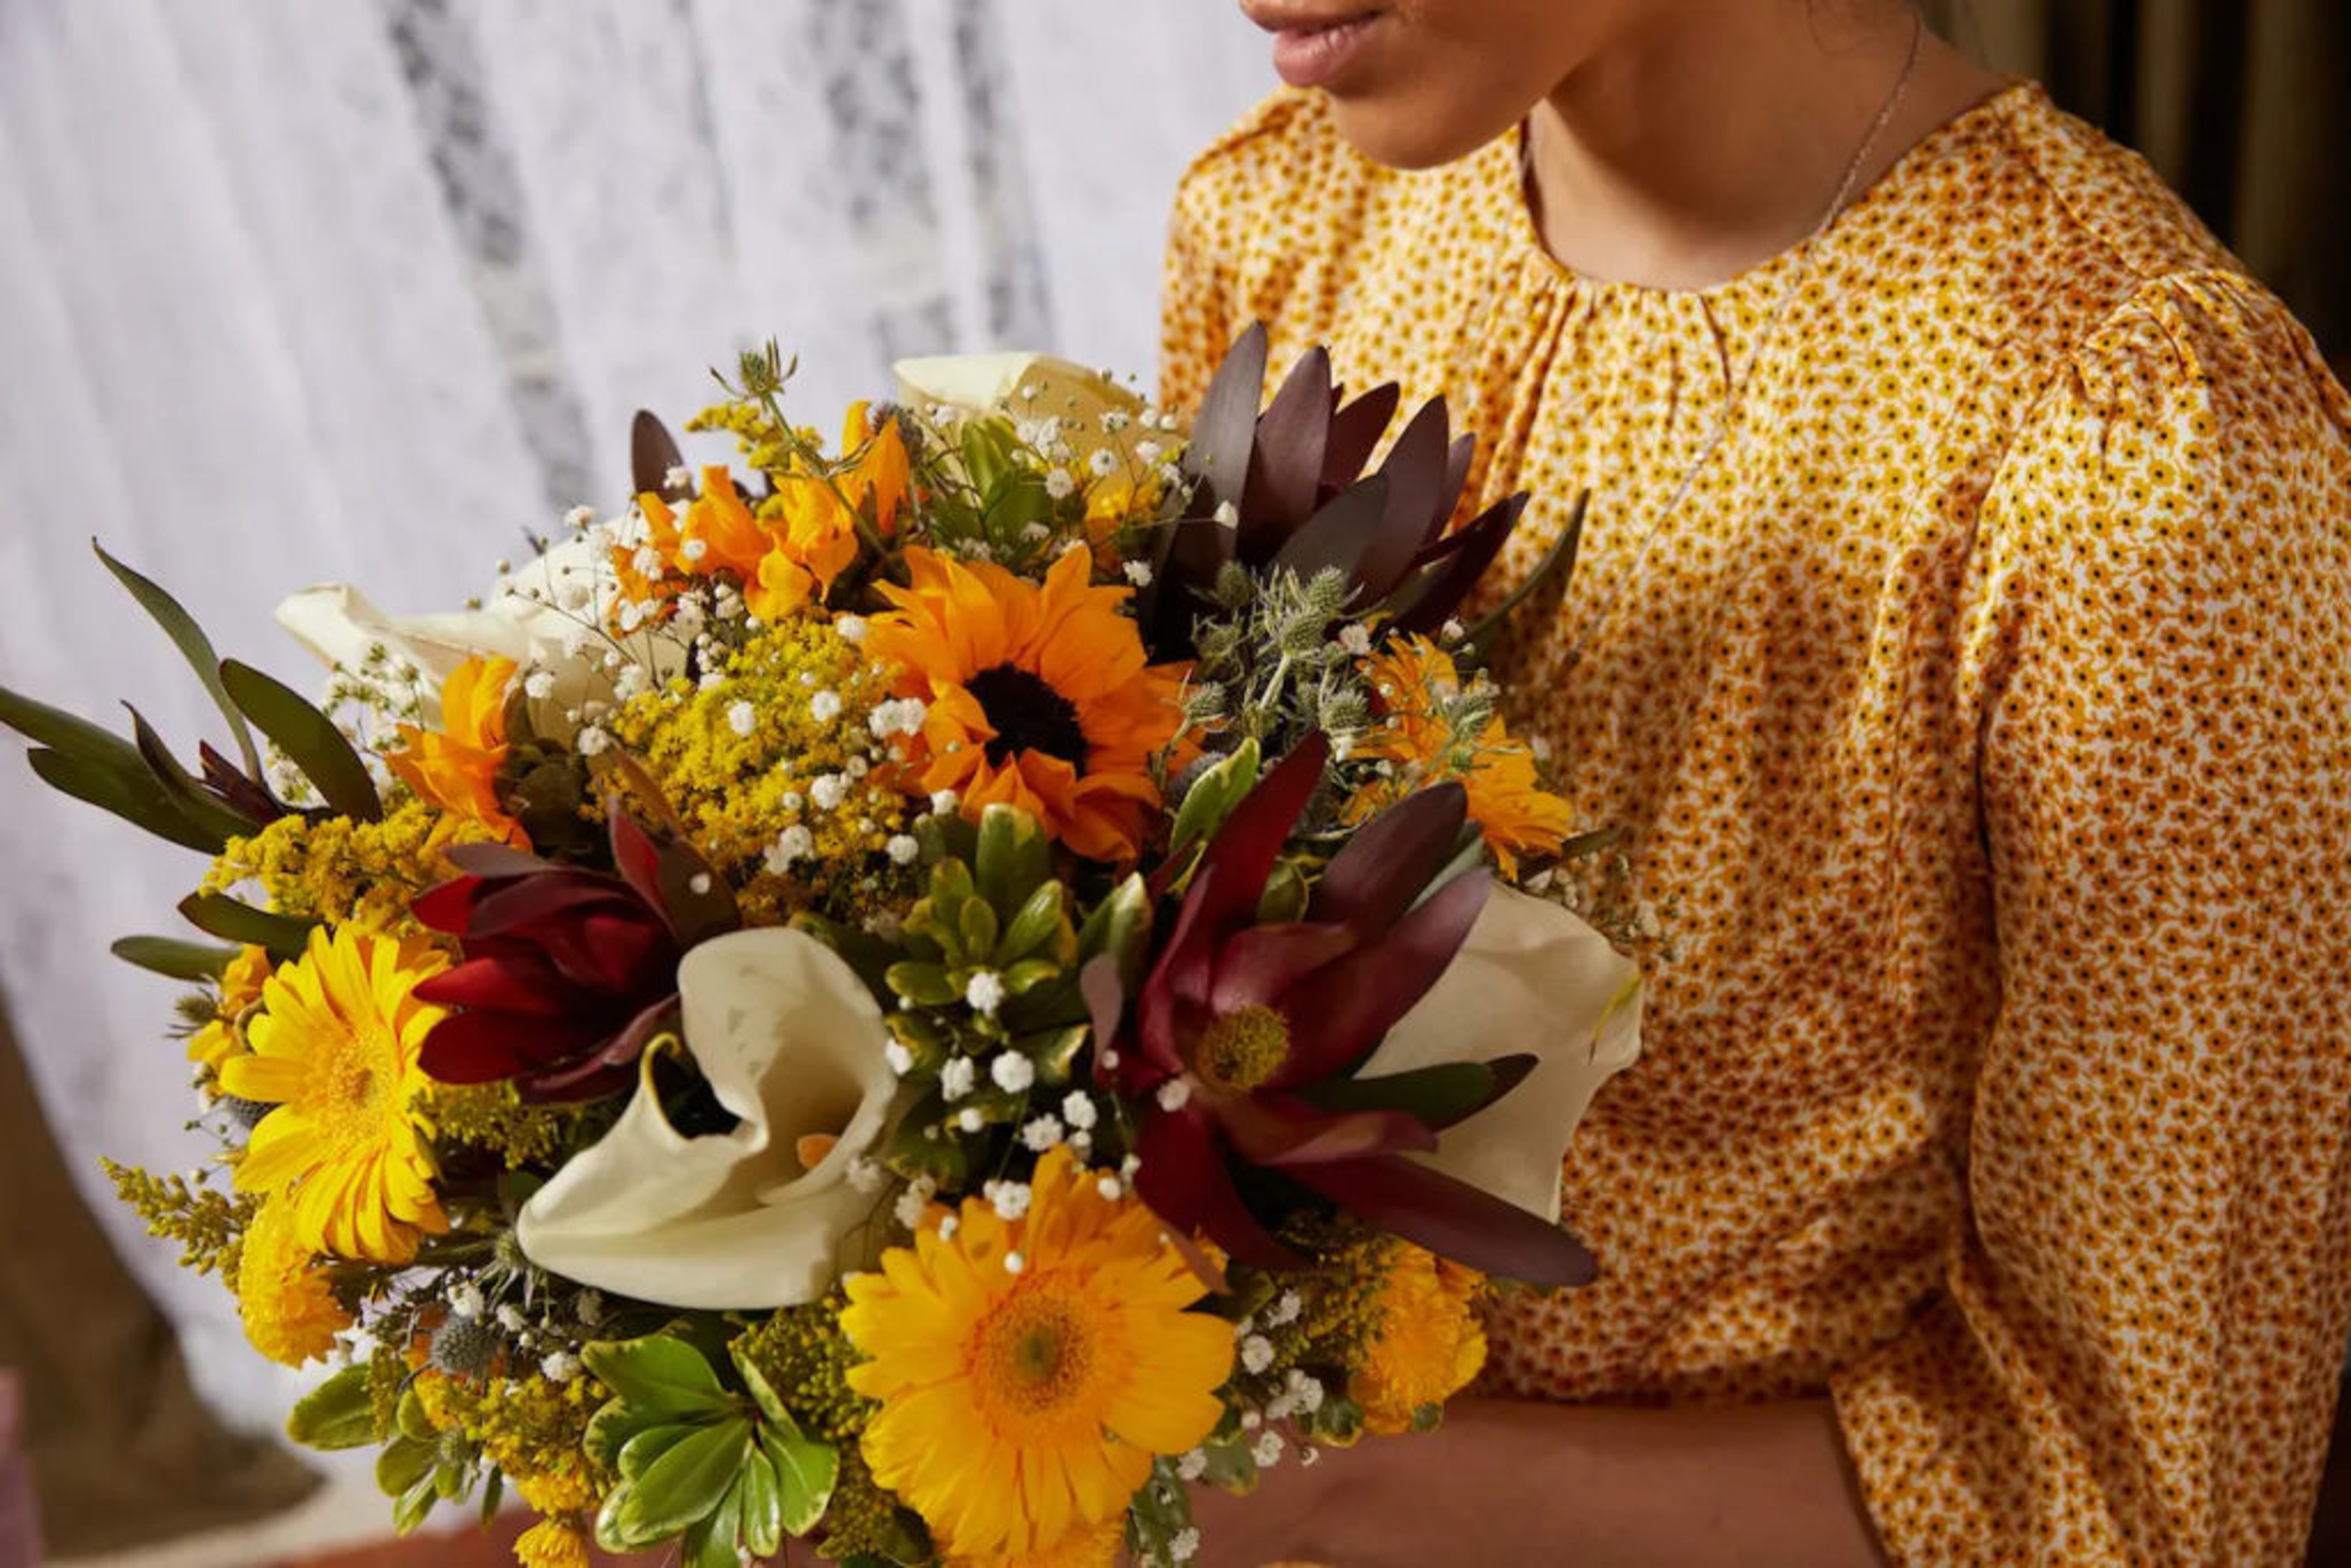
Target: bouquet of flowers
point(922, 997)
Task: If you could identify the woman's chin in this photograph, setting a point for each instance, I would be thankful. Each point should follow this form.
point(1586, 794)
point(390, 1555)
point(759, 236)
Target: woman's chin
point(1405, 130)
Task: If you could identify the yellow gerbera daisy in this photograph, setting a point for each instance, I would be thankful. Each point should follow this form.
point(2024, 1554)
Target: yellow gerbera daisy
point(1038, 695)
point(290, 1314)
point(335, 1049)
point(1079, 1549)
point(1516, 814)
point(457, 768)
point(1028, 1369)
point(1430, 1342)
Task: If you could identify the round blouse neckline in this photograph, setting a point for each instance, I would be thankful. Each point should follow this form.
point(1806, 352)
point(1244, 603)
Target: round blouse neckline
point(1526, 234)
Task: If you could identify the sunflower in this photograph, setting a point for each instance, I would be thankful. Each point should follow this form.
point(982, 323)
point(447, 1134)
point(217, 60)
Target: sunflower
point(1415, 680)
point(335, 1049)
point(1430, 1346)
point(290, 1314)
point(457, 768)
point(1028, 1369)
point(1038, 695)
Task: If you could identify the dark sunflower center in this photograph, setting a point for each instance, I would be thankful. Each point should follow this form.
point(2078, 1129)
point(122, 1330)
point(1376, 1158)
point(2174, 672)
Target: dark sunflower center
point(1028, 715)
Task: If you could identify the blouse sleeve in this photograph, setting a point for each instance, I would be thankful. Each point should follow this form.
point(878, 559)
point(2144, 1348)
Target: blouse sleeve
point(2136, 1354)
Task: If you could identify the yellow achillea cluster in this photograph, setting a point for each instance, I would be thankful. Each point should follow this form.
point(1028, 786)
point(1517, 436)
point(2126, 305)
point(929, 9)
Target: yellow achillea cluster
point(805, 1358)
point(208, 1224)
point(493, 1116)
point(290, 1313)
point(221, 1037)
point(1430, 1344)
point(775, 772)
point(532, 1428)
point(344, 870)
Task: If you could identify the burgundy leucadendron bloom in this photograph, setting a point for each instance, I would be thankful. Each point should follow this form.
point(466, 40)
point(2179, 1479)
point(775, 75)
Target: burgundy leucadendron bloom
point(567, 972)
point(1243, 1044)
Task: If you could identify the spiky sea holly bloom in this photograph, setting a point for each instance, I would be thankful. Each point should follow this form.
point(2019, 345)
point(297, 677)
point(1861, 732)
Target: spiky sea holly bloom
point(566, 972)
point(1243, 1045)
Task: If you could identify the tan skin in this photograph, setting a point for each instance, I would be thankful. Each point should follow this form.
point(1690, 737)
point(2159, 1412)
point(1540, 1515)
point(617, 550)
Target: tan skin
point(1674, 144)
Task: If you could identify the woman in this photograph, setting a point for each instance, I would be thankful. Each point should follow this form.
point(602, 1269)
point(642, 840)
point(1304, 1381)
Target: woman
point(1964, 636)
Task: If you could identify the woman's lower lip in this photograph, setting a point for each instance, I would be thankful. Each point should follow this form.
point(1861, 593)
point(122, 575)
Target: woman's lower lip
point(1313, 56)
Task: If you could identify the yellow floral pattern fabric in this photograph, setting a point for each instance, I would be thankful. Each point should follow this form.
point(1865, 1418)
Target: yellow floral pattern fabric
point(1983, 719)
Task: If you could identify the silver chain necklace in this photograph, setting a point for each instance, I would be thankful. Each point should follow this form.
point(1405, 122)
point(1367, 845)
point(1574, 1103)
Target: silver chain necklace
point(1738, 386)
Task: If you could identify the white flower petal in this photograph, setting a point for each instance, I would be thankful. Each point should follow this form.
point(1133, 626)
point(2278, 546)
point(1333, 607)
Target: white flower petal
point(792, 1043)
point(1532, 977)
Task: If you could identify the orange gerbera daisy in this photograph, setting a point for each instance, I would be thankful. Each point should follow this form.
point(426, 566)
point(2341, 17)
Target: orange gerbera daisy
point(1038, 695)
point(457, 768)
point(786, 554)
point(1412, 677)
point(1030, 1370)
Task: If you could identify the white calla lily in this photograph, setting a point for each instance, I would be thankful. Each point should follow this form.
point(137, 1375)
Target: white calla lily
point(547, 618)
point(996, 383)
point(1532, 977)
point(791, 1042)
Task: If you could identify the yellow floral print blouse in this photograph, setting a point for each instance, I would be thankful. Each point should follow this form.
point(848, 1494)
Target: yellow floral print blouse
point(1983, 720)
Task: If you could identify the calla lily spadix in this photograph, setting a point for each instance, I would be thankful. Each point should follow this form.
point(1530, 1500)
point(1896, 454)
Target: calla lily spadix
point(790, 1043)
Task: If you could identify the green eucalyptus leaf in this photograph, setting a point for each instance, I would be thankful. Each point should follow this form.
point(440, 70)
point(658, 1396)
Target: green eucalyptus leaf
point(1029, 974)
point(976, 930)
point(921, 985)
point(686, 1481)
point(1053, 1051)
point(64, 732)
point(715, 1542)
point(195, 802)
point(194, 645)
point(1119, 926)
point(1213, 796)
point(638, 1454)
point(403, 1462)
point(616, 1422)
point(763, 1505)
point(308, 737)
point(1012, 858)
point(1438, 1095)
point(659, 1370)
point(220, 915)
point(414, 1506)
point(130, 794)
point(763, 1393)
point(494, 1492)
point(1285, 895)
point(174, 959)
point(1042, 917)
point(408, 1416)
point(338, 1414)
point(806, 1473)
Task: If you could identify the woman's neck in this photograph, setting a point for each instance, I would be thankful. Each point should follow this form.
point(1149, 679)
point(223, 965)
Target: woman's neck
point(1690, 151)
